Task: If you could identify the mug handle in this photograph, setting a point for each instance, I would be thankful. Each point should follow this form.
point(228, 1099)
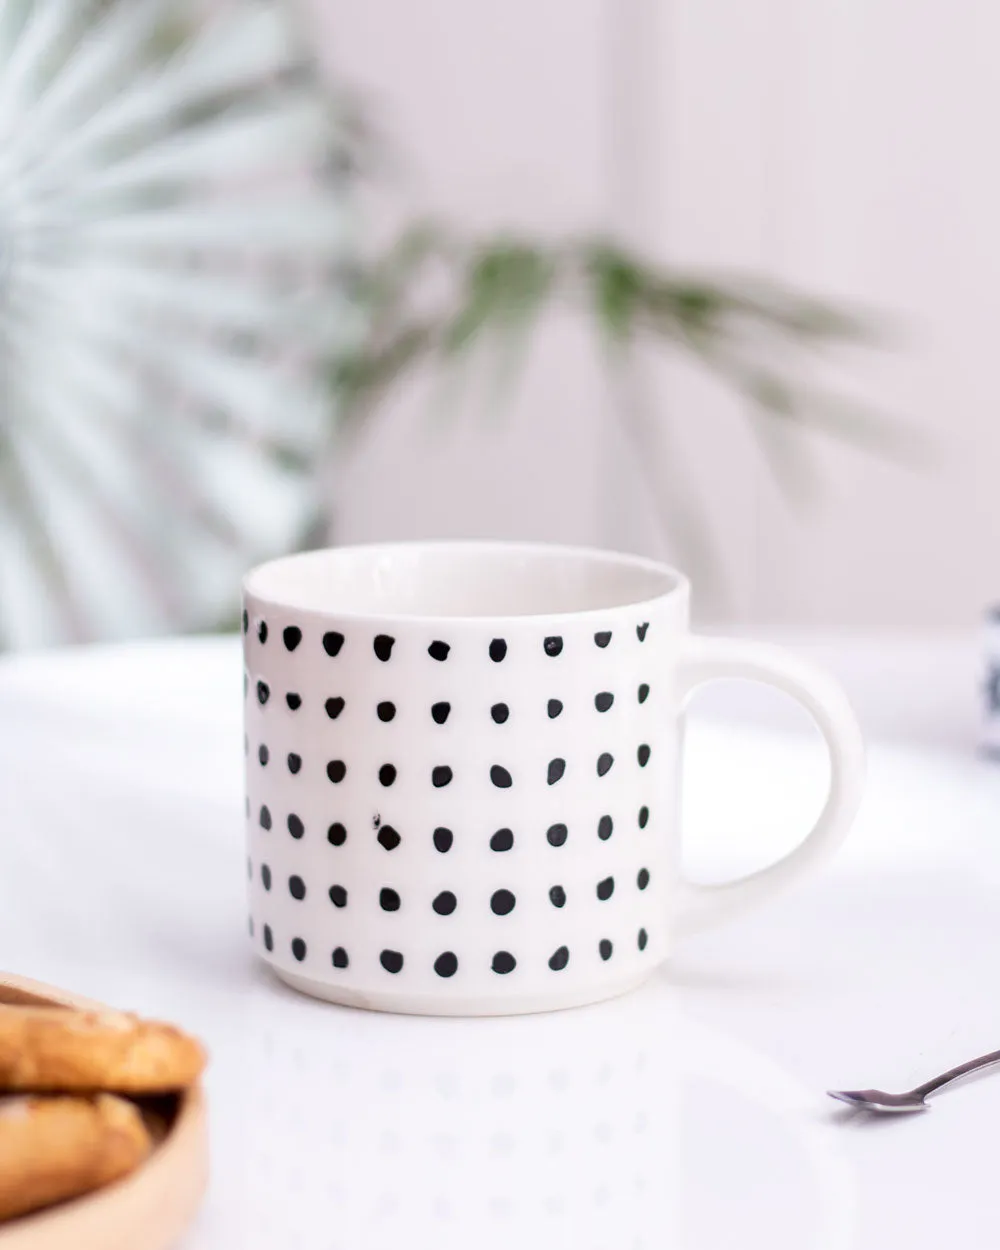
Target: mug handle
point(709, 659)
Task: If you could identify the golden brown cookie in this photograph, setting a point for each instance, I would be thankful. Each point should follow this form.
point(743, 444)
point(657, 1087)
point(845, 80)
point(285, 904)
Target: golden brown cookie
point(53, 1147)
point(50, 1048)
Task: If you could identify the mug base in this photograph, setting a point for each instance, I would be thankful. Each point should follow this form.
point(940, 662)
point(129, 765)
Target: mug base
point(434, 1005)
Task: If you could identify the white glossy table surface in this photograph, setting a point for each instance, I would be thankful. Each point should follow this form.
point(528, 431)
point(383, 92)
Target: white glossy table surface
point(688, 1115)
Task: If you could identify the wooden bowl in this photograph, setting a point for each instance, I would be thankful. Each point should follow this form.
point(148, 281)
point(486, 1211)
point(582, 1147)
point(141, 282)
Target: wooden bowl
point(148, 1210)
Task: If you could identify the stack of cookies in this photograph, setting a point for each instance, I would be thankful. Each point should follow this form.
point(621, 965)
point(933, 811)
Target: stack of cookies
point(81, 1099)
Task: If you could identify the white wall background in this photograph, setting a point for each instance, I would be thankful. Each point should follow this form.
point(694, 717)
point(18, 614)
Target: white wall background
point(847, 146)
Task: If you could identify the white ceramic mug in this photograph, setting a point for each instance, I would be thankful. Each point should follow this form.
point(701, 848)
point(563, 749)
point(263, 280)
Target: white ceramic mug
point(462, 772)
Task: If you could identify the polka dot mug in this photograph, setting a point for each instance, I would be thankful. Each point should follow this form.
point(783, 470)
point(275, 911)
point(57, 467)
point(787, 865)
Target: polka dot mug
point(462, 767)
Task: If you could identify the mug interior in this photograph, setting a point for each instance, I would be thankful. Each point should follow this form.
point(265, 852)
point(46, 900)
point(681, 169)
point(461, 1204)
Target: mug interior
point(460, 580)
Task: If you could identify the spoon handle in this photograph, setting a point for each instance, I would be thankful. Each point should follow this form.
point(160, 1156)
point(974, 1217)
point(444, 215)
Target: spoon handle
point(963, 1069)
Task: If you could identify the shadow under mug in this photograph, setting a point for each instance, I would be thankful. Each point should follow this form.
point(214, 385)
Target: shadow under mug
point(462, 772)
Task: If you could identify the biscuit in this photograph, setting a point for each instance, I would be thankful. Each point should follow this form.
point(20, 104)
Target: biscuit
point(52, 1048)
point(56, 1147)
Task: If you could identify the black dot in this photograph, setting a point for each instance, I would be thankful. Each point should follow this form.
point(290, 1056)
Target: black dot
point(500, 777)
point(441, 776)
point(502, 902)
point(336, 835)
point(443, 838)
point(339, 957)
point(556, 769)
point(391, 961)
point(500, 712)
point(605, 948)
point(557, 896)
point(438, 650)
point(268, 938)
point(292, 636)
point(554, 708)
point(502, 840)
point(605, 889)
point(293, 700)
point(383, 645)
point(334, 707)
point(642, 880)
point(336, 770)
point(498, 649)
point(388, 837)
point(262, 631)
point(641, 630)
point(265, 876)
point(557, 835)
point(386, 711)
point(643, 693)
point(332, 642)
point(446, 964)
point(387, 774)
point(604, 762)
point(603, 700)
point(605, 828)
point(295, 826)
point(298, 949)
point(263, 692)
point(553, 644)
point(559, 959)
point(643, 817)
point(503, 962)
point(294, 762)
point(445, 903)
point(439, 712)
point(338, 896)
point(265, 817)
point(388, 899)
point(246, 620)
point(642, 755)
point(602, 637)
point(296, 887)
point(263, 754)
point(642, 939)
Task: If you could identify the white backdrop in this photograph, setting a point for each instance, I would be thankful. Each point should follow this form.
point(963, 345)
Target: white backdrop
point(843, 145)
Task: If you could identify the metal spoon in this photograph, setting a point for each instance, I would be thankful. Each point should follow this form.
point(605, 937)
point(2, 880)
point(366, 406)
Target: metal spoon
point(878, 1100)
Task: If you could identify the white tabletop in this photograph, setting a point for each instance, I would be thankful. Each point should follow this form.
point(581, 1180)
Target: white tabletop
point(690, 1114)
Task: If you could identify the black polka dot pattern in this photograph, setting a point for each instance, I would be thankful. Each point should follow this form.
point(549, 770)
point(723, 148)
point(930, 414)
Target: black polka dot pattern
point(268, 938)
point(336, 835)
point(388, 838)
point(262, 631)
point(503, 962)
point(294, 762)
point(443, 839)
point(292, 636)
point(557, 835)
point(553, 645)
point(602, 637)
point(339, 957)
point(502, 902)
point(439, 712)
point(498, 650)
point(391, 961)
point(605, 828)
point(643, 693)
point(336, 770)
point(338, 896)
point(263, 754)
point(559, 959)
point(334, 706)
point(388, 899)
point(556, 771)
point(500, 712)
point(383, 646)
point(386, 711)
point(642, 880)
point(297, 888)
point(604, 762)
point(265, 817)
point(500, 777)
point(298, 948)
point(332, 642)
point(642, 939)
point(554, 707)
point(643, 816)
point(263, 692)
point(246, 620)
point(605, 889)
point(438, 651)
point(446, 964)
point(265, 876)
point(641, 631)
point(557, 896)
point(605, 949)
point(441, 776)
point(643, 755)
point(293, 700)
point(604, 700)
point(445, 903)
point(295, 826)
point(387, 774)
point(502, 840)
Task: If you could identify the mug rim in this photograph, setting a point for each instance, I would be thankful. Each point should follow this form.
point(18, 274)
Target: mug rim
point(676, 584)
